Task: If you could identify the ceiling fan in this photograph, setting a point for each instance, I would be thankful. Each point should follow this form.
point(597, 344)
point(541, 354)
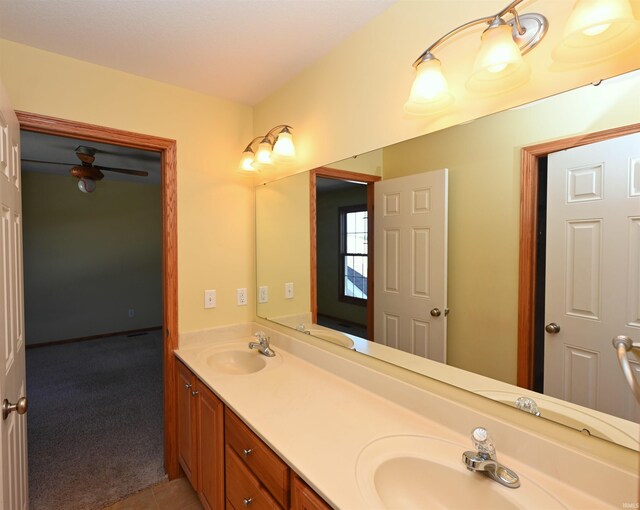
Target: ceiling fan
point(87, 173)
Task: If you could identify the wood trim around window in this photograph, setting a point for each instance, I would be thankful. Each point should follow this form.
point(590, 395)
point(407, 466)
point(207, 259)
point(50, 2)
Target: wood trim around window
point(333, 173)
point(167, 148)
point(529, 157)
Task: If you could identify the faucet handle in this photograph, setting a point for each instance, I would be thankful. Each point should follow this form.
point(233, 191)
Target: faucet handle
point(482, 442)
point(528, 404)
point(262, 338)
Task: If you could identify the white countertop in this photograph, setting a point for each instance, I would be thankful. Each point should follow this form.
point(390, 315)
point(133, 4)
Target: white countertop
point(319, 422)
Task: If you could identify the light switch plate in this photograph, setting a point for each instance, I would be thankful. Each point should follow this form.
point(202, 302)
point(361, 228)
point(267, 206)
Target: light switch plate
point(210, 300)
point(288, 290)
point(263, 294)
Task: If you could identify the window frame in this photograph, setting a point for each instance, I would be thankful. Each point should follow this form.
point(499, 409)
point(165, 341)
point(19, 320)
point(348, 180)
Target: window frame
point(342, 252)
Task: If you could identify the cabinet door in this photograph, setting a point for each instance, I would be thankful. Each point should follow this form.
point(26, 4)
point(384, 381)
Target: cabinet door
point(187, 423)
point(210, 448)
point(304, 497)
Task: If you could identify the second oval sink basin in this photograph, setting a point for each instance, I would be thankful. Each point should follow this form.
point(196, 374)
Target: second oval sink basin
point(236, 361)
point(418, 472)
point(334, 337)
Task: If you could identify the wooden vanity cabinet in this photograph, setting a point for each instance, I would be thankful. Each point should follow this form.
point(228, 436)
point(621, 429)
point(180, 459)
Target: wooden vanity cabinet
point(261, 462)
point(187, 423)
point(304, 497)
point(201, 438)
point(228, 465)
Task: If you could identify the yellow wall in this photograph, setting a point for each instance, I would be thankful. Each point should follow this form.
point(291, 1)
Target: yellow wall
point(351, 100)
point(89, 258)
point(283, 245)
point(215, 203)
point(483, 159)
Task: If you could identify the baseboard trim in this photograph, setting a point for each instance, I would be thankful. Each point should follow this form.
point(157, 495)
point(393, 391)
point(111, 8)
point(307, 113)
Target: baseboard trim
point(133, 332)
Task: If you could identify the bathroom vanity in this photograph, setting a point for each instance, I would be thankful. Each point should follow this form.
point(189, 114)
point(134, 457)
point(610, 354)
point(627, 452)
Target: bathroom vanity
point(313, 428)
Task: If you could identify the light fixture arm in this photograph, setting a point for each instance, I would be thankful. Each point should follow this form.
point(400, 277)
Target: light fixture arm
point(509, 9)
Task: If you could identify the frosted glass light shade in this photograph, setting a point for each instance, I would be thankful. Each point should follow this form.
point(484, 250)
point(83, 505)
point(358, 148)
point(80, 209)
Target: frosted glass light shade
point(263, 154)
point(597, 30)
point(430, 91)
point(499, 66)
point(86, 185)
point(283, 149)
point(246, 163)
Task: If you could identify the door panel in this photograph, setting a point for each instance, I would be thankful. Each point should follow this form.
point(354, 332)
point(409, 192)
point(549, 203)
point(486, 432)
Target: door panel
point(593, 272)
point(13, 429)
point(411, 270)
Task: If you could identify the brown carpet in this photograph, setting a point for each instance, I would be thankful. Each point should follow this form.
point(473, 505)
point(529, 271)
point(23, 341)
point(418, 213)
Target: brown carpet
point(95, 431)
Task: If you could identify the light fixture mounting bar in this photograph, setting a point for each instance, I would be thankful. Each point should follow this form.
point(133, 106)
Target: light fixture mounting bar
point(528, 30)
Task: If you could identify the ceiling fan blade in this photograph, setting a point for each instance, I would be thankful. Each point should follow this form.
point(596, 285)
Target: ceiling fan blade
point(140, 173)
point(46, 162)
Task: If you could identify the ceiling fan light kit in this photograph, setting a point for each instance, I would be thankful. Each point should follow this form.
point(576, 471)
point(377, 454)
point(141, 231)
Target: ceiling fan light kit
point(87, 173)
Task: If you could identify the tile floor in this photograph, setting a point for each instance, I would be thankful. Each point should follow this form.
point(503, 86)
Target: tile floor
point(174, 495)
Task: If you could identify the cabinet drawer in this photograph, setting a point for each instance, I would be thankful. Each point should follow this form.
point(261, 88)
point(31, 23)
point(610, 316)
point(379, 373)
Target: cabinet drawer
point(243, 489)
point(272, 472)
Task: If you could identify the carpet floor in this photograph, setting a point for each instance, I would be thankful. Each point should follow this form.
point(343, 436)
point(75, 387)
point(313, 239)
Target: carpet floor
point(95, 425)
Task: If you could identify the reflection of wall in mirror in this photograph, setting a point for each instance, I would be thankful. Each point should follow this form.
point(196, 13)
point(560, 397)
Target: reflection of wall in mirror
point(369, 163)
point(283, 246)
point(484, 173)
point(328, 248)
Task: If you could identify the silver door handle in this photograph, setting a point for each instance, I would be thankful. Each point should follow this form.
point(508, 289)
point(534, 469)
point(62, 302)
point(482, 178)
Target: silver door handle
point(19, 407)
point(552, 328)
point(435, 312)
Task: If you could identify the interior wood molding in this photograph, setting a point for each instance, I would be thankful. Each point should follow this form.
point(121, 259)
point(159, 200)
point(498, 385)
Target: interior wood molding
point(343, 175)
point(529, 157)
point(167, 148)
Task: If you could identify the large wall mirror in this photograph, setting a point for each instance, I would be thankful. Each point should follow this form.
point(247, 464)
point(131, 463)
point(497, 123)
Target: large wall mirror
point(317, 276)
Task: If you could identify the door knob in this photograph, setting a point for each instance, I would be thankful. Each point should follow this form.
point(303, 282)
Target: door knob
point(435, 312)
point(20, 407)
point(552, 328)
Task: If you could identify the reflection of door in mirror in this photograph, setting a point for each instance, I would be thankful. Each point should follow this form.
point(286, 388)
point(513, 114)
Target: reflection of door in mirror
point(593, 220)
point(341, 218)
point(411, 267)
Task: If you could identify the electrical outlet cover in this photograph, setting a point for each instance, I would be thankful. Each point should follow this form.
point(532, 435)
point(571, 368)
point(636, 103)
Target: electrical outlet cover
point(263, 294)
point(242, 297)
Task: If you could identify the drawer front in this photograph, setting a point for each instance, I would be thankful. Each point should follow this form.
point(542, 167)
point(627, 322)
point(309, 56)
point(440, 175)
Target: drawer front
point(243, 489)
point(272, 472)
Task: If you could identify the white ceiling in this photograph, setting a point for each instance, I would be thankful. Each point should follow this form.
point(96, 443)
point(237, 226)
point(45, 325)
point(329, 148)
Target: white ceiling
point(241, 50)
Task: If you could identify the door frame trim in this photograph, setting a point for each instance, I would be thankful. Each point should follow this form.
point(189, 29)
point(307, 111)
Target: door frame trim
point(343, 175)
point(529, 157)
point(167, 147)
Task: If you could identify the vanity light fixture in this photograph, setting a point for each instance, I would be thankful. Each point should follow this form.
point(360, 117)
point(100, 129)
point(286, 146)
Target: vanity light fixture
point(597, 30)
point(274, 147)
point(499, 66)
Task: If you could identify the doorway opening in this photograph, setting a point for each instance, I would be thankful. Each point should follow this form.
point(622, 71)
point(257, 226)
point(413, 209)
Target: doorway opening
point(168, 335)
point(341, 226)
point(530, 290)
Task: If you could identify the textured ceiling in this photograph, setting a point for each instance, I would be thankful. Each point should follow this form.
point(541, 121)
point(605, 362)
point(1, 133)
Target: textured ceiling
point(241, 50)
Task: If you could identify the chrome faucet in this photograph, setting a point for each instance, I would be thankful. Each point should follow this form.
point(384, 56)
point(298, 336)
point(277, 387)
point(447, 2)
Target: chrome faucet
point(484, 460)
point(262, 344)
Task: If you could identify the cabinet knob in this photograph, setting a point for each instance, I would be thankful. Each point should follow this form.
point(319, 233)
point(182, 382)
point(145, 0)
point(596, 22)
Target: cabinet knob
point(247, 501)
point(194, 393)
point(247, 451)
point(188, 386)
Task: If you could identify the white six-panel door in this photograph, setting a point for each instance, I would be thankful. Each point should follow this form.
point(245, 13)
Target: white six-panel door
point(410, 226)
point(593, 272)
point(13, 429)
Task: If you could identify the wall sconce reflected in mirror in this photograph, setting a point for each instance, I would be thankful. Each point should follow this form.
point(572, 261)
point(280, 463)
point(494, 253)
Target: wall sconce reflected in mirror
point(273, 148)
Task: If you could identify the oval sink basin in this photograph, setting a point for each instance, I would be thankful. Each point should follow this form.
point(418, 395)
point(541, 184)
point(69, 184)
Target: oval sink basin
point(332, 336)
point(418, 472)
point(236, 361)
